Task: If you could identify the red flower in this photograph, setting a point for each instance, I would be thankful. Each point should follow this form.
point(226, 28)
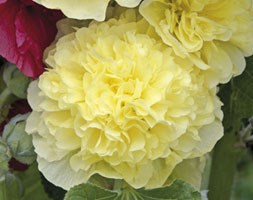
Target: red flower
point(26, 29)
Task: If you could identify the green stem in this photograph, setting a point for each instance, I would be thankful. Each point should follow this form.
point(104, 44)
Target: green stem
point(3, 193)
point(101, 182)
point(129, 193)
point(6, 97)
point(223, 168)
point(117, 184)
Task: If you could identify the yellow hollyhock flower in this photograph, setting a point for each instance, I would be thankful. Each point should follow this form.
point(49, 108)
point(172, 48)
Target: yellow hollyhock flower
point(85, 9)
point(118, 102)
point(214, 34)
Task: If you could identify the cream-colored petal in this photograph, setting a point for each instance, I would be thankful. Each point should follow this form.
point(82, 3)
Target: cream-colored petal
point(33, 96)
point(154, 12)
point(67, 139)
point(79, 9)
point(46, 148)
point(60, 173)
point(209, 135)
point(128, 3)
point(33, 118)
point(163, 168)
point(194, 166)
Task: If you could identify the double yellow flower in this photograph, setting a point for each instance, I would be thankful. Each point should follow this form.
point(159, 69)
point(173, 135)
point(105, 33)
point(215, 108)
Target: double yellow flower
point(134, 97)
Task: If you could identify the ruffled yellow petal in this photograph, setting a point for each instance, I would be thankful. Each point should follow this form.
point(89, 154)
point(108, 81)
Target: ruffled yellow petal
point(214, 35)
point(118, 102)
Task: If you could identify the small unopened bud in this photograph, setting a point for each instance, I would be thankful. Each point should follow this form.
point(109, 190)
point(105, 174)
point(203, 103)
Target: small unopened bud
point(18, 141)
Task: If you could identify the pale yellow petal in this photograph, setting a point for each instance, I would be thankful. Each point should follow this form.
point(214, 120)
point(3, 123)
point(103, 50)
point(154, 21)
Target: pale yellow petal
point(79, 9)
point(128, 3)
point(33, 96)
point(67, 177)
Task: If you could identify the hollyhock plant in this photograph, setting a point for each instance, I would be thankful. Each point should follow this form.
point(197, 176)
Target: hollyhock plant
point(134, 99)
point(26, 29)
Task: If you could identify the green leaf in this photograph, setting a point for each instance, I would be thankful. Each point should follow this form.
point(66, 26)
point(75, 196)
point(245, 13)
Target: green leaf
point(31, 181)
point(89, 191)
point(179, 190)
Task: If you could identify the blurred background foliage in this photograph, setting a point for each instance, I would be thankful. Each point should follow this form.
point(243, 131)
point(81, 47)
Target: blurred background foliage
point(243, 181)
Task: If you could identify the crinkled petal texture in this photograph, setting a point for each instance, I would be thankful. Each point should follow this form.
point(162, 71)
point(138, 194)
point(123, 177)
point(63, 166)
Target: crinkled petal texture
point(204, 31)
point(26, 29)
point(118, 102)
point(85, 9)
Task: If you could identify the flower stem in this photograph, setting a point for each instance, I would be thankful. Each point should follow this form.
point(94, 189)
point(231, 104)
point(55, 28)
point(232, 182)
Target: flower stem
point(117, 184)
point(3, 194)
point(6, 97)
point(223, 167)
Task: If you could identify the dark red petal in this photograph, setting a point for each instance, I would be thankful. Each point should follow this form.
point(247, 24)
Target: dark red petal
point(26, 29)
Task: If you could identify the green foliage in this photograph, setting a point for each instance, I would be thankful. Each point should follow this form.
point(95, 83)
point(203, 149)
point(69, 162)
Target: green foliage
point(31, 181)
point(243, 184)
point(15, 81)
point(54, 192)
point(14, 187)
point(179, 190)
point(101, 181)
point(15, 142)
point(18, 141)
point(2, 83)
point(89, 191)
point(4, 111)
point(13, 86)
point(23, 185)
point(11, 187)
point(4, 158)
